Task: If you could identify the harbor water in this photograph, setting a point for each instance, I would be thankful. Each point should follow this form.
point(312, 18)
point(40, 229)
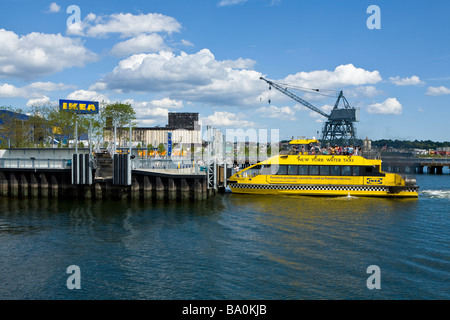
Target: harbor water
point(229, 247)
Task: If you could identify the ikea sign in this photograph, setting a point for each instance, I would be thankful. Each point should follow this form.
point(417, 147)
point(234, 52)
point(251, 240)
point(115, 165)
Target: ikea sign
point(77, 106)
point(374, 181)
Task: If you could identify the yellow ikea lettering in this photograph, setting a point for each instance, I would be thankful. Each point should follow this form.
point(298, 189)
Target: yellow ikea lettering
point(73, 106)
point(82, 106)
point(91, 107)
point(65, 105)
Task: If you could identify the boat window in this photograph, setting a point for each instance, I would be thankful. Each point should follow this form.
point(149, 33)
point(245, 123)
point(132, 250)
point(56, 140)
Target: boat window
point(368, 170)
point(292, 169)
point(282, 170)
point(303, 170)
point(324, 170)
point(346, 170)
point(335, 170)
point(313, 170)
point(371, 171)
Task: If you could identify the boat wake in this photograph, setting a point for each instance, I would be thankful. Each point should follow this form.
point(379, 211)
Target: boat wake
point(441, 194)
point(347, 197)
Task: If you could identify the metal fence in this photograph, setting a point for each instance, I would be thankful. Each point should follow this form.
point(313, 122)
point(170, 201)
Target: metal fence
point(30, 163)
point(168, 165)
point(157, 164)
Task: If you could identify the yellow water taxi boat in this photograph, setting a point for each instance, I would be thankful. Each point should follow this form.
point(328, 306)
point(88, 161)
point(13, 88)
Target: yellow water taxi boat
point(303, 171)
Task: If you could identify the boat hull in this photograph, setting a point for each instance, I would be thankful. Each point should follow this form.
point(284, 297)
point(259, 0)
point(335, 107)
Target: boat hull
point(326, 190)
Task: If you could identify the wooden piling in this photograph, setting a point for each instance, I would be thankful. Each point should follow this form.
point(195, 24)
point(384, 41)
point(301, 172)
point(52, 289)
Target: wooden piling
point(184, 189)
point(98, 191)
point(159, 189)
point(135, 187)
point(14, 185)
point(3, 185)
point(54, 186)
point(171, 189)
point(43, 185)
point(34, 186)
point(147, 188)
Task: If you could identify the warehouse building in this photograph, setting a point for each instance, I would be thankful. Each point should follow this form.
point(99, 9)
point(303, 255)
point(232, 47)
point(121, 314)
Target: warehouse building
point(184, 127)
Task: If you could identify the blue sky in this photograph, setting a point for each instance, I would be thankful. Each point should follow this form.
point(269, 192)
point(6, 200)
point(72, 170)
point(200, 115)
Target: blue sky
point(207, 56)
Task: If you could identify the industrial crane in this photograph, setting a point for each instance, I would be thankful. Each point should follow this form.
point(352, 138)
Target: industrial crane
point(338, 128)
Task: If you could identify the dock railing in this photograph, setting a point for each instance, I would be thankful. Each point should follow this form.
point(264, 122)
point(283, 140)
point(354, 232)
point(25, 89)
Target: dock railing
point(371, 154)
point(168, 165)
point(31, 163)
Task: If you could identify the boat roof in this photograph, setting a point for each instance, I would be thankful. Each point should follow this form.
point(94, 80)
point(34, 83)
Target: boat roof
point(304, 141)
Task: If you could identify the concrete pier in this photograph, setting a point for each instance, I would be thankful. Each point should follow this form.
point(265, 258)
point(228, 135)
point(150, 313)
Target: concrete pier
point(146, 186)
point(415, 165)
point(3, 184)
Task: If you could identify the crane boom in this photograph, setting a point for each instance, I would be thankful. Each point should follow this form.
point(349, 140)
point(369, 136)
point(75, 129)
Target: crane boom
point(295, 97)
point(338, 128)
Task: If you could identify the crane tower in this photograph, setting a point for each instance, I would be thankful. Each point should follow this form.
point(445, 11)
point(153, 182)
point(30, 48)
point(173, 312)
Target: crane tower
point(338, 128)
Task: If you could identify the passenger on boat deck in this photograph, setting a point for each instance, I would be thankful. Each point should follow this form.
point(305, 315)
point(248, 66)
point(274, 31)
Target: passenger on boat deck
point(335, 150)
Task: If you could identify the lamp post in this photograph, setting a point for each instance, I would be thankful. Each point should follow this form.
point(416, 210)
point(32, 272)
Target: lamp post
point(76, 137)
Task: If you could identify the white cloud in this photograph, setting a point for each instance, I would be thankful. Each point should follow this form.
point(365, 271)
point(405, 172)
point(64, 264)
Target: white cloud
point(48, 86)
point(98, 86)
point(227, 119)
point(186, 43)
point(195, 77)
point(32, 90)
point(412, 81)
point(140, 44)
point(199, 77)
point(167, 103)
point(342, 75)
point(362, 92)
point(437, 91)
point(54, 7)
point(389, 106)
point(87, 95)
point(147, 122)
point(149, 110)
point(128, 25)
point(75, 29)
point(39, 54)
point(10, 91)
point(150, 113)
point(38, 101)
point(300, 107)
point(325, 108)
point(284, 113)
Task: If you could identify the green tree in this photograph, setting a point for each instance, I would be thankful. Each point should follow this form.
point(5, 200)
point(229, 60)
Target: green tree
point(15, 128)
point(41, 123)
point(64, 124)
point(122, 114)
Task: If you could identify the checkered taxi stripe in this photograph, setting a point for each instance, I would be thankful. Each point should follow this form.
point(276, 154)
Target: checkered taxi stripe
point(316, 187)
